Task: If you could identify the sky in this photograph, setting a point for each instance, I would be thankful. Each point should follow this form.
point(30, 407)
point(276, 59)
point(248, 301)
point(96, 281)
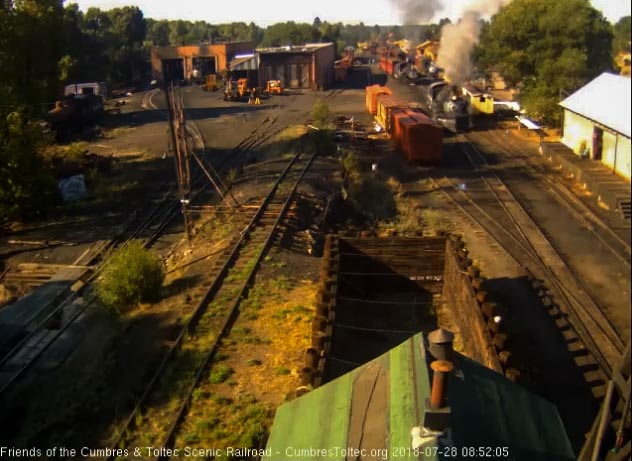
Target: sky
point(266, 12)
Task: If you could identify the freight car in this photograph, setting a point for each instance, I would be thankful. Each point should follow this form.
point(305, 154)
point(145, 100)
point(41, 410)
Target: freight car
point(418, 136)
point(73, 113)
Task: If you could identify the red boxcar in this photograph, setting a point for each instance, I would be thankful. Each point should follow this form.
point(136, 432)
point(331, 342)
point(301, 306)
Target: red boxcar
point(397, 115)
point(421, 139)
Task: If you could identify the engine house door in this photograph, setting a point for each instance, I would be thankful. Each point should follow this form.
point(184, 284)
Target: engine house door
point(294, 80)
point(304, 76)
point(281, 75)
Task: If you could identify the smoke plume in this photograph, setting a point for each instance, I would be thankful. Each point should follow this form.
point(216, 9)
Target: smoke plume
point(458, 40)
point(418, 11)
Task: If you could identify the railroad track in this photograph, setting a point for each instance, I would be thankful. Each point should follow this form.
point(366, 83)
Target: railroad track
point(509, 223)
point(165, 401)
point(619, 247)
point(145, 225)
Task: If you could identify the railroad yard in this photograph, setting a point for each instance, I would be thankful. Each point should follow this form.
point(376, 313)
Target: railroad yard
point(244, 321)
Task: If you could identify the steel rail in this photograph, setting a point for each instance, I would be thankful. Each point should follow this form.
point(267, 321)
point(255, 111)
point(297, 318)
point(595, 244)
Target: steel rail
point(572, 203)
point(229, 320)
point(130, 424)
point(574, 304)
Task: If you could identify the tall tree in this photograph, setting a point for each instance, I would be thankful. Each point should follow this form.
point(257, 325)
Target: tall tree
point(289, 33)
point(546, 48)
point(622, 31)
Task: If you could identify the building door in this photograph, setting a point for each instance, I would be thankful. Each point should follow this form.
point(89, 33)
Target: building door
point(172, 70)
point(205, 65)
point(294, 80)
point(268, 74)
point(597, 143)
point(280, 75)
point(304, 76)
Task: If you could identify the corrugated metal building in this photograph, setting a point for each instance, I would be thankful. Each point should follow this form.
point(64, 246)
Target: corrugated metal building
point(194, 61)
point(372, 412)
point(597, 122)
point(304, 66)
point(245, 66)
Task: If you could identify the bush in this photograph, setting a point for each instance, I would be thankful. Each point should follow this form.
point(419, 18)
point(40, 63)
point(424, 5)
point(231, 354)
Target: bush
point(131, 275)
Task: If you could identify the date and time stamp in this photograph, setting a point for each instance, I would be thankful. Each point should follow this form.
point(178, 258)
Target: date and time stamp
point(287, 453)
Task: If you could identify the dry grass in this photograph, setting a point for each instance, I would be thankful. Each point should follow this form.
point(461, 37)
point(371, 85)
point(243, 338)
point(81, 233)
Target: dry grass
point(264, 354)
point(291, 133)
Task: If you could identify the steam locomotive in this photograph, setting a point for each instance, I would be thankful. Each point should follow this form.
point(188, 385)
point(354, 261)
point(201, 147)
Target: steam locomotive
point(449, 106)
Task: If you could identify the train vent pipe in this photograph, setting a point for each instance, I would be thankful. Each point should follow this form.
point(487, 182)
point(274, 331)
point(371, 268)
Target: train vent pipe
point(436, 412)
point(441, 369)
point(440, 344)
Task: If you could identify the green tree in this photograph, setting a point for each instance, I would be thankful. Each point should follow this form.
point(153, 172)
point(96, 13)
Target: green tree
point(289, 33)
point(622, 32)
point(546, 48)
point(26, 186)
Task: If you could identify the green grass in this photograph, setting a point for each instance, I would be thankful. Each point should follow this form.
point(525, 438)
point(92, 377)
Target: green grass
point(220, 373)
point(281, 371)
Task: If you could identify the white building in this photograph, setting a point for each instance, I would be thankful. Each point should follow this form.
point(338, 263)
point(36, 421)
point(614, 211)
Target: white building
point(597, 122)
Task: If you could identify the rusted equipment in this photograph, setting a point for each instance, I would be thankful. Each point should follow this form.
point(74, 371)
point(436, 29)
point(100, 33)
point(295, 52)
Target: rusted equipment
point(441, 368)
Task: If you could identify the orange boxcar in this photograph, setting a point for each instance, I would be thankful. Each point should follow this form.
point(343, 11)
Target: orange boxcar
point(371, 96)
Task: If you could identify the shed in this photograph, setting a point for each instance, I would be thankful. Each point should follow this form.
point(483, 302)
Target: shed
point(597, 122)
point(298, 67)
point(194, 62)
point(371, 412)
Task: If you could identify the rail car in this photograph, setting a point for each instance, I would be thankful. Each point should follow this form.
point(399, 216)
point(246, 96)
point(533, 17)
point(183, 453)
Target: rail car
point(73, 113)
point(482, 103)
point(418, 136)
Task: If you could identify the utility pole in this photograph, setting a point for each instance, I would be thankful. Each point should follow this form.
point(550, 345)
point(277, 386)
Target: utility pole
point(178, 137)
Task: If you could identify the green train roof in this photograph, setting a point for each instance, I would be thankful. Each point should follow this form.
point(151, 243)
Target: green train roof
point(371, 411)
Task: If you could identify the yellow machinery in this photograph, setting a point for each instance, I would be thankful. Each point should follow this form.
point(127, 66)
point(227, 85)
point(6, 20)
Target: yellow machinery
point(236, 90)
point(210, 83)
point(483, 103)
point(274, 87)
point(242, 87)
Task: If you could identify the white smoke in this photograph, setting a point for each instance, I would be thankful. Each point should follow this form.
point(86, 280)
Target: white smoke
point(458, 40)
point(418, 11)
